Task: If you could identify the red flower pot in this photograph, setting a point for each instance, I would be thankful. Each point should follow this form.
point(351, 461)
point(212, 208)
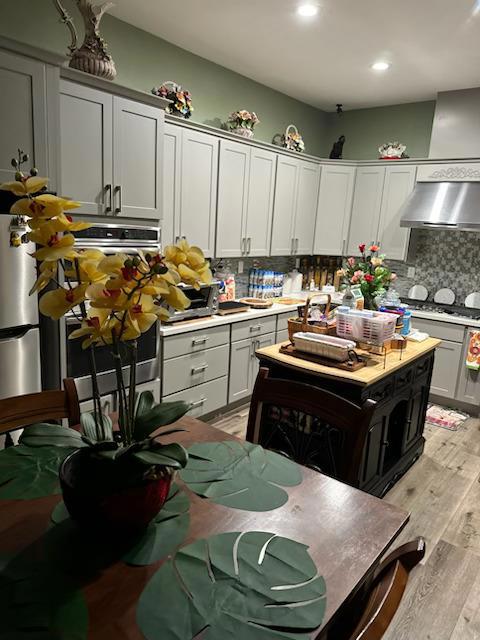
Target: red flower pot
point(101, 493)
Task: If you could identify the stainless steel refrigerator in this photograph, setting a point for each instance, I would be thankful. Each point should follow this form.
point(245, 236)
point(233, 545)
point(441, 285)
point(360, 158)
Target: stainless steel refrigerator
point(20, 370)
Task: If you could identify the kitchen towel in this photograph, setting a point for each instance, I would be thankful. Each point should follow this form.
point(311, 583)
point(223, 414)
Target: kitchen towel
point(473, 351)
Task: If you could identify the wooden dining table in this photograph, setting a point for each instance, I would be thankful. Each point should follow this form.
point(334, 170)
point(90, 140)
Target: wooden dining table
point(347, 532)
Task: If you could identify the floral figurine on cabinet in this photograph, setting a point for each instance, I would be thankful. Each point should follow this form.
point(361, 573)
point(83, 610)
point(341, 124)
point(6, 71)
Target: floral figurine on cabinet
point(369, 272)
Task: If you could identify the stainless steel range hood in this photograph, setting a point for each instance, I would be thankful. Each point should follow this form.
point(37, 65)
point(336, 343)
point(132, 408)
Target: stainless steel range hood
point(444, 205)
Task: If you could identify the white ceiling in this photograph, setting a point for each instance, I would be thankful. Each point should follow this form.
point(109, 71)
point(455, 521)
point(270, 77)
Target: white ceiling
point(433, 45)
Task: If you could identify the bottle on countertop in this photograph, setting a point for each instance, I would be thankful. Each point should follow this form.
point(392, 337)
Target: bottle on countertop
point(324, 276)
point(349, 299)
point(311, 276)
point(304, 270)
point(318, 272)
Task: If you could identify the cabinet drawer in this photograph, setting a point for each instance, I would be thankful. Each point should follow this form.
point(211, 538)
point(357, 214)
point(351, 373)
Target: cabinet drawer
point(253, 328)
point(440, 330)
point(195, 341)
point(282, 320)
point(188, 371)
point(282, 336)
point(106, 402)
point(205, 397)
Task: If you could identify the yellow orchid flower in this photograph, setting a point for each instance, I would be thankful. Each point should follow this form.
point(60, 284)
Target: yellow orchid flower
point(103, 298)
point(113, 265)
point(26, 186)
point(57, 248)
point(44, 206)
point(177, 299)
point(189, 262)
point(88, 261)
point(95, 326)
point(55, 304)
point(47, 271)
point(145, 313)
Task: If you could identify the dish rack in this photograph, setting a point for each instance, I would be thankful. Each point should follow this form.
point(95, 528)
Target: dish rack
point(324, 346)
point(372, 327)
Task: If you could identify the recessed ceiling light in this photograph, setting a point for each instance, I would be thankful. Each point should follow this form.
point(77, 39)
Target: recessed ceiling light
point(307, 10)
point(380, 66)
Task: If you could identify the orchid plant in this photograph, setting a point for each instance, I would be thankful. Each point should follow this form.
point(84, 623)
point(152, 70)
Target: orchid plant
point(115, 298)
point(369, 272)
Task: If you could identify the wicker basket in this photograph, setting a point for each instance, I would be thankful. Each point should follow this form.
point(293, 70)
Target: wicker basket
point(292, 139)
point(296, 325)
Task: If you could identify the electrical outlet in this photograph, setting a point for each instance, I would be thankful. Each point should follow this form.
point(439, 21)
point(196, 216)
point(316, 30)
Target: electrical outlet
point(297, 263)
point(411, 272)
point(240, 267)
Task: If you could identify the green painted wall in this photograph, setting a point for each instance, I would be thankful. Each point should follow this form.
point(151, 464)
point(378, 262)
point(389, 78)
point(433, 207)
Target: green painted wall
point(144, 61)
point(366, 129)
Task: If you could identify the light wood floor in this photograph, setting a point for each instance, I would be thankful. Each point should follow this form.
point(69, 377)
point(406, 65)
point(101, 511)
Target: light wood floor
point(442, 493)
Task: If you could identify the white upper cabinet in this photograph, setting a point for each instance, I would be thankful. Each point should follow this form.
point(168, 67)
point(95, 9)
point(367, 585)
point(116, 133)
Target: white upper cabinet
point(233, 175)
point(306, 207)
point(172, 167)
point(23, 114)
point(245, 200)
point(111, 153)
point(296, 197)
point(367, 202)
point(334, 210)
point(284, 207)
point(198, 190)
point(137, 161)
point(399, 184)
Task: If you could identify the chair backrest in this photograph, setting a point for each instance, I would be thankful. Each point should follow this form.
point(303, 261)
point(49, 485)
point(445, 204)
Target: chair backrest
point(385, 593)
point(310, 425)
point(21, 411)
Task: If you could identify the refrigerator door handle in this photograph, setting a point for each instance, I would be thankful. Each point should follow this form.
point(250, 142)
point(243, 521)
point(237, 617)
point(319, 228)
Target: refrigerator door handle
point(8, 335)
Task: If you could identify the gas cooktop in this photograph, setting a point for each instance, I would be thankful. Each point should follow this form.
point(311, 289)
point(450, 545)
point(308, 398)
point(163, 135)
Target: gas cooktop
point(452, 310)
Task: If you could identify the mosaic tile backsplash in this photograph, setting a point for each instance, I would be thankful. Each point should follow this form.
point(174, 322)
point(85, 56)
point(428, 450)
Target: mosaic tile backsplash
point(441, 258)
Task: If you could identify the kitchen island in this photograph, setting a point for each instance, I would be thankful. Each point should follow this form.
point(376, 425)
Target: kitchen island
point(399, 384)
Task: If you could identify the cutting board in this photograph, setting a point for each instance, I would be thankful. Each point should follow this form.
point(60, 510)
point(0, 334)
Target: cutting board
point(349, 365)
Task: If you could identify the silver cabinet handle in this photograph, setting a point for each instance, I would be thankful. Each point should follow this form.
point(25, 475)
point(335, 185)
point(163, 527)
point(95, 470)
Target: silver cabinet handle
point(255, 327)
point(199, 369)
point(242, 246)
point(196, 341)
point(296, 245)
point(118, 190)
point(292, 246)
point(198, 403)
point(344, 242)
point(177, 238)
point(108, 192)
point(249, 246)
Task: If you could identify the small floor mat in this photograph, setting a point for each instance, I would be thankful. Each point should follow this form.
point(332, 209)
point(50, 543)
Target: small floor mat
point(445, 418)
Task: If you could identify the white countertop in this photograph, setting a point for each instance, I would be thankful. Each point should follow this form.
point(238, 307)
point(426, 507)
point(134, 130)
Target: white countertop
point(445, 317)
point(216, 321)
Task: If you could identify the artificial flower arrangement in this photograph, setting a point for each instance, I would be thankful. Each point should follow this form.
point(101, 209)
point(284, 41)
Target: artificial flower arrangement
point(293, 140)
point(115, 298)
point(243, 122)
point(392, 151)
point(181, 99)
point(370, 272)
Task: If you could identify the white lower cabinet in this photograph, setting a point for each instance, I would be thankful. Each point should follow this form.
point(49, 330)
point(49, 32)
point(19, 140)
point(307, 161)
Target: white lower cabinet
point(445, 370)
point(196, 368)
point(204, 398)
point(282, 336)
point(244, 365)
point(107, 403)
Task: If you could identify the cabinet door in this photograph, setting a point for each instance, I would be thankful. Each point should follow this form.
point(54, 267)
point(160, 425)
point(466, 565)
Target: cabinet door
point(107, 404)
point(86, 120)
point(259, 343)
point(241, 369)
point(445, 370)
point(284, 207)
point(199, 189)
point(23, 116)
point(399, 184)
point(306, 207)
point(261, 191)
point(137, 161)
point(233, 170)
point(172, 159)
point(367, 200)
point(334, 210)
point(468, 389)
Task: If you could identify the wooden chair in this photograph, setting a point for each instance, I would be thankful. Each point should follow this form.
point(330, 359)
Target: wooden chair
point(21, 411)
point(371, 612)
point(334, 426)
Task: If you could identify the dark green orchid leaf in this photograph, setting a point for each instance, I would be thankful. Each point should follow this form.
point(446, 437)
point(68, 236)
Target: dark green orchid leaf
point(241, 475)
point(51, 435)
point(169, 455)
point(158, 416)
point(145, 402)
point(39, 599)
point(245, 586)
point(167, 531)
point(30, 472)
point(89, 427)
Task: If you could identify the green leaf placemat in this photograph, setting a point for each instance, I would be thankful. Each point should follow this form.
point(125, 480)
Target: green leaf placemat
point(241, 475)
point(30, 472)
point(39, 600)
point(244, 586)
point(164, 534)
